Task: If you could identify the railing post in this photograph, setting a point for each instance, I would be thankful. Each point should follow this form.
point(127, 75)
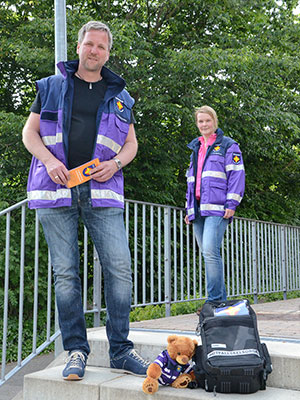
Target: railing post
point(254, 261)
point(167, 259)
point(283, 262)
point(58, 347)
point(97, 289)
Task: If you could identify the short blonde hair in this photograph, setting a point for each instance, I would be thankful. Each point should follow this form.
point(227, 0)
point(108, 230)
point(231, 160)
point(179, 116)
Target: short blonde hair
point(207, 110)
point(97, 26)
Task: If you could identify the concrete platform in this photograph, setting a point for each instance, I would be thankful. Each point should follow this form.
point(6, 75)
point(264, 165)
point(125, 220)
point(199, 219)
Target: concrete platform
point(102, 384)
point(285, 355)
point(279, 328)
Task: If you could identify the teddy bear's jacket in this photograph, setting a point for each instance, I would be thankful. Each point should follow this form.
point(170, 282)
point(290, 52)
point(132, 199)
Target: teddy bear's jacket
point(170, 369)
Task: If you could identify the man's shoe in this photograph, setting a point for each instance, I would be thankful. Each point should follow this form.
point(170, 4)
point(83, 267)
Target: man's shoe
point(131, 363)
point(74, 370)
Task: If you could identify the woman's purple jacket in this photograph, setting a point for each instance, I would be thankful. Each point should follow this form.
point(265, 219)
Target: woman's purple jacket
point(222, 179)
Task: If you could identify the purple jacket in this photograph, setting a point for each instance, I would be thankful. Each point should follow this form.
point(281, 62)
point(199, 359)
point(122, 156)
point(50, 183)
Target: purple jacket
point(222, 179)
point(113, 120)
point(170, 369)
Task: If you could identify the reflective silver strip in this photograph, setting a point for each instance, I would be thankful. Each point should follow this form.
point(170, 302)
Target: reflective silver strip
point(233, 353)
point(106, 194)
point(234, 196)
point(49, 194)
point(191, 179)
point(214, 174)
point(111, 144)
point(52, 140)
point(190, 211)
point(234, 167)
point(211, 207)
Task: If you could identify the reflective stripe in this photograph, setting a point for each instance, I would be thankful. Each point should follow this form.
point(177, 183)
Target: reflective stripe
point(234, 196)
point(211, 207)
point(49, 194)
point(191, 179)
point(190, 211)
point(159, 362)
point(234, 167)
point(233, 353)
point(52, 140)
point(111, 144)
point(214, 174)
point(106, 194)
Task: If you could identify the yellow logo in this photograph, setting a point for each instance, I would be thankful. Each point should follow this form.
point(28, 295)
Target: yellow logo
point(120, 105)
point(217, 148)
point(236, 159)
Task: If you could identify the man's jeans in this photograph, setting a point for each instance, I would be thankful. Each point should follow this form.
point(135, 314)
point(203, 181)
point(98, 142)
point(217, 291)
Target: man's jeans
point(106, 228)
point(209, 232)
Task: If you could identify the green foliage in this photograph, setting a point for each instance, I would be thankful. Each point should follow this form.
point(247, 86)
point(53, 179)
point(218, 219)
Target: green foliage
point(239, 57)
point(26, 340)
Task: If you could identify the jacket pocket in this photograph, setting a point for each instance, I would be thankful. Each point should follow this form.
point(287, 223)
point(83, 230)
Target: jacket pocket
point(49, 116)
point(217, 192)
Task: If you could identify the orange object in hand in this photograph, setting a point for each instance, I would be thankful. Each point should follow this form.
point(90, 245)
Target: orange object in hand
point(82, 173)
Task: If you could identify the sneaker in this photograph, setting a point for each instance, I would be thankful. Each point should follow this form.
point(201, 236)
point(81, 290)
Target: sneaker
point(131, 363)
point(74, 370)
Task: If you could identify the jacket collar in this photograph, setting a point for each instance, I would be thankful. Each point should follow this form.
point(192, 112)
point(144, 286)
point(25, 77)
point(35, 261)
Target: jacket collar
point(194, 144)
point(114, 81)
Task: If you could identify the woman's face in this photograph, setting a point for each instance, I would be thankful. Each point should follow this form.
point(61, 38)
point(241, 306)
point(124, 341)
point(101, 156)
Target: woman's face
point(205, 124)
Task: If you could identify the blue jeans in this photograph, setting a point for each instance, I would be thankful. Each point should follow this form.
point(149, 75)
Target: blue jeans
point(209, 232)
point(106, 228)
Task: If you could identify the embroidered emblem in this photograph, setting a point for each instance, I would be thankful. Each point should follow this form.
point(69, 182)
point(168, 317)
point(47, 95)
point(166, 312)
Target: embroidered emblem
point(120, 106)
point(179, 368)
point(236, 158)
point(218, 150)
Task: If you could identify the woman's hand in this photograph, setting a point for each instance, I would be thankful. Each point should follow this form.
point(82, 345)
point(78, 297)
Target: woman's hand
point(228, 213)
point(186, 220)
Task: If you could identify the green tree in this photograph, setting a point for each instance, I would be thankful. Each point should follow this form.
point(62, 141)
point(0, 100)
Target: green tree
point(240, 57)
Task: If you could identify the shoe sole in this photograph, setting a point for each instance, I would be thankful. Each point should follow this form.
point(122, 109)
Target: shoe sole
point(125, 371)
point(72, 377)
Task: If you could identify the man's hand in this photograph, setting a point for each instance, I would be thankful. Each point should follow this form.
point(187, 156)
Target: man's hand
point(57, 171)
point(228, 213)
point(104, 171)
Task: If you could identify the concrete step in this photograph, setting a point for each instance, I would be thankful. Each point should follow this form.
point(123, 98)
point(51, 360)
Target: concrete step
point(102, 384)
point(285, 355)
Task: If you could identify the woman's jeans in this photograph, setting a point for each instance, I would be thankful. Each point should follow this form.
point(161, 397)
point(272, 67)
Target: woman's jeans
point(106, 228)
point(209, 232)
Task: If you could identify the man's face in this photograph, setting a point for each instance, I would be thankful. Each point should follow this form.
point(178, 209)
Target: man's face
point(93, 51)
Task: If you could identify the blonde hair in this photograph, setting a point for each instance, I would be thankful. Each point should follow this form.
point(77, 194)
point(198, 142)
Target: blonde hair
point(98, 26)
point(207, 110)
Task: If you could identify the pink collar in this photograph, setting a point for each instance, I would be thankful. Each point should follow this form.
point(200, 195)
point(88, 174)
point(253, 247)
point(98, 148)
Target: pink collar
point(210, 141)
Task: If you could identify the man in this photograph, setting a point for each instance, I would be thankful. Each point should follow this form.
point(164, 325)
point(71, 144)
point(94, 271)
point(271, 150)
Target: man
point(82, 114)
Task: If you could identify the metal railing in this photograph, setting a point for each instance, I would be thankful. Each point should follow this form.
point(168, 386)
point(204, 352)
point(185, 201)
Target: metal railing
point(259, 258)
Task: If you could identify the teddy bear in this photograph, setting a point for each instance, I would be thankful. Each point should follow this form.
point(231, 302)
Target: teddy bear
point(172, 367)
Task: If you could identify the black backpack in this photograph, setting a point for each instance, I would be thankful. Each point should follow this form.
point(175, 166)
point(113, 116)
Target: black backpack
point(231, 359)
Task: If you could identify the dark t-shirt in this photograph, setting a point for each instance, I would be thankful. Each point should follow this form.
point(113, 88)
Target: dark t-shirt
point(86, 101)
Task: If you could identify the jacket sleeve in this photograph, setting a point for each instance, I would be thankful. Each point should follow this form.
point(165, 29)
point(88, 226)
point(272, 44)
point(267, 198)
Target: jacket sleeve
point(235, 173)
point(189, 204)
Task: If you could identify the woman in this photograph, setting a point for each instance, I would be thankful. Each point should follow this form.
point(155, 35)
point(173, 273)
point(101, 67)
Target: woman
point(215, 187)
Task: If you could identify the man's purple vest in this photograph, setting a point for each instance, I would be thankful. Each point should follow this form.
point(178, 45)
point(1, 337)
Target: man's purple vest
point(113, 120)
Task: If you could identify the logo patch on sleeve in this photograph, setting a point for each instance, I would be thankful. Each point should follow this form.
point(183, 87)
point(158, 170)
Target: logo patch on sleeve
point(120, 106)
point(236, 158)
